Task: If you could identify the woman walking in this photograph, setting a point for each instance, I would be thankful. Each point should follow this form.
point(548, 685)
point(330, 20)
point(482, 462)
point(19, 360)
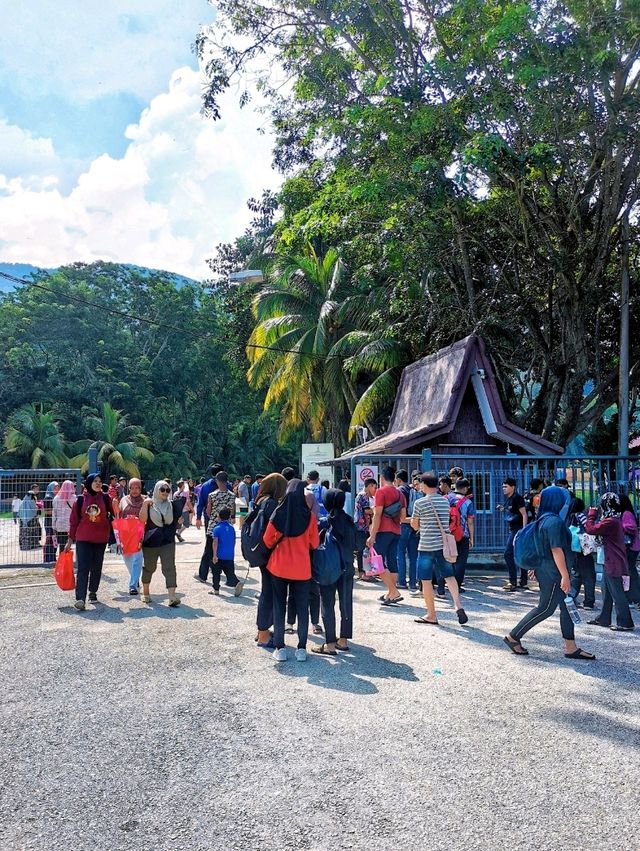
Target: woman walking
point(63, 503)
point(293, 532)
point(632, 543)
point(131, 506)
point(270, 494)
point(89, 529)
point(611, 532)
point(344, 532)
point(50, 544)
point(552, 573)
point(160, 516)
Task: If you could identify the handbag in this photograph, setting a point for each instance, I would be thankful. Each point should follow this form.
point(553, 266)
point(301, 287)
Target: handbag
point(449, 546)
point(375, 563)
point(588, 544)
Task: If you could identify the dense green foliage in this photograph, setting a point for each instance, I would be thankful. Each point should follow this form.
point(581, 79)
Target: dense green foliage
point(475, 160)
point(168, 402)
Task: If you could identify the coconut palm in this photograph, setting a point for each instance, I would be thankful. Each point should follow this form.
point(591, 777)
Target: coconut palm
point(34, 434)
point(120, 445)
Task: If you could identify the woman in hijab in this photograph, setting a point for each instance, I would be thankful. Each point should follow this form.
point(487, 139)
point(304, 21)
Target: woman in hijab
point(552, 573)
point(160, 516)
point(291, 534)
point(270, 494)
point(63, 503)
point(610, 531)
point(50, 544)
point(89, 529)
point(632, 544)
point(344, 531)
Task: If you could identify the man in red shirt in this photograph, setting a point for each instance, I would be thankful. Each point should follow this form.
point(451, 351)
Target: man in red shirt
point(390, 509)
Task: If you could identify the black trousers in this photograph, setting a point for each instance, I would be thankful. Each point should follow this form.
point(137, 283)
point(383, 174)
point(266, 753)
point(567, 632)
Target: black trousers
point(633, 594)
point(551, 596)
point(229, 569)
point(613, 592)
point(584, 573)
point(344, 587)
point(313, 605)
point(90, 557)
point(300, 590)
point(264, 618)
point(206, 562)
point(361, 540)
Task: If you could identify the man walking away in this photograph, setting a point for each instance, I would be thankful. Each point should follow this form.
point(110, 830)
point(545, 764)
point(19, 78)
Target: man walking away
point(408, 544)
point(431, 559)
point(314, 487)
point(390, 509)
point(203, 497)
point(515, 513)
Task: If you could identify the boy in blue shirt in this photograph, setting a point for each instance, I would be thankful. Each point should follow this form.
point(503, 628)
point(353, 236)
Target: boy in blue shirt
point(224, 545)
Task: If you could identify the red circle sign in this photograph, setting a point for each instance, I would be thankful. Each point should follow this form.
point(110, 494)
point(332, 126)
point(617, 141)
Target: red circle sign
point(366, 473)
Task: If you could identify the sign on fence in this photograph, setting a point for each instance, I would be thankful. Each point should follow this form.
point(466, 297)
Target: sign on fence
point(363, 472)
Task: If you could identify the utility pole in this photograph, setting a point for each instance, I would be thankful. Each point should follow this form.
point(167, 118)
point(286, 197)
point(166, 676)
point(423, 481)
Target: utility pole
point(623, 377)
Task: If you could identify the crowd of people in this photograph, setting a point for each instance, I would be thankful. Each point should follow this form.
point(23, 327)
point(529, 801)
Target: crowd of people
point(411, 533)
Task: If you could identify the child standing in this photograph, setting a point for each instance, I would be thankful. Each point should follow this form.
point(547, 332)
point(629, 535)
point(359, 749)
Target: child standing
point(224, 544)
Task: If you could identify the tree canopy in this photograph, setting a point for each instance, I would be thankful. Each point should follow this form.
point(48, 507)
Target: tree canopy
point(475, 159)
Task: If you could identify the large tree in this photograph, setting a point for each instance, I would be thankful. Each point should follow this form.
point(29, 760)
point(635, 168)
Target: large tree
point(478, 157)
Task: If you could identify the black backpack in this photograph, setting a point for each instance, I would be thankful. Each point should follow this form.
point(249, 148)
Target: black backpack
point(254, 550)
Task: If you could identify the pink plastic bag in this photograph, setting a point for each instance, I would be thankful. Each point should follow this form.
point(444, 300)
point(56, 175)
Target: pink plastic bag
point(376, 564)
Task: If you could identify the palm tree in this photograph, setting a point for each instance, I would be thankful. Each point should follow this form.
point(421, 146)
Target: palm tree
point(120, 445)
point(317, 346)
point(35, 434)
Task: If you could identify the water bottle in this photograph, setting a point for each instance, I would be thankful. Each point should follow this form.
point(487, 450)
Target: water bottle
point(572, 609)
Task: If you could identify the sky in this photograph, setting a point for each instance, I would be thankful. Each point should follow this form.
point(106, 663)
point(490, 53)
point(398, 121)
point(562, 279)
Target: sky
point(103, 152)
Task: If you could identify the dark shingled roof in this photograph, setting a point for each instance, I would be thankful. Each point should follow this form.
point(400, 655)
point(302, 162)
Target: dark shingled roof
point(429, 398)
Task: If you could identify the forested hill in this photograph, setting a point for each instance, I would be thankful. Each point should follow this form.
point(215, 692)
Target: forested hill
point(26, 271)
point(67, 349)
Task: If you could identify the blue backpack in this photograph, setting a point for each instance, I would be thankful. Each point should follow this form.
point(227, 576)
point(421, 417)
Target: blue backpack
point(527, 551)
point(326, 564)
point(318, 491)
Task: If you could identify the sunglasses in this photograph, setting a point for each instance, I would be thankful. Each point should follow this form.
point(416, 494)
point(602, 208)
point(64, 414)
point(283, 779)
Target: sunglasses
point(164, 490)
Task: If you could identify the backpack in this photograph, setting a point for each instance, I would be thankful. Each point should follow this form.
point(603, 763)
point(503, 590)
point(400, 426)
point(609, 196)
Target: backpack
point(526, 545)
point(456, 526)
point(28, 509)
point(255, 552)
point(414, 496)
point(318, 491)
point(326, 563)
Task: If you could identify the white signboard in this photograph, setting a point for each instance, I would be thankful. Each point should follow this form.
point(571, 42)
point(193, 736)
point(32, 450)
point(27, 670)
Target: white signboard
point(365, 471)
point(311, 455)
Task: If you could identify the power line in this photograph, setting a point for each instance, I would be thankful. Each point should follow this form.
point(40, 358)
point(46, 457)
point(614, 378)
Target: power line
point(144, 319)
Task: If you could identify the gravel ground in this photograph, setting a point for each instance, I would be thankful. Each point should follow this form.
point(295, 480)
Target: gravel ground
point(133, 727)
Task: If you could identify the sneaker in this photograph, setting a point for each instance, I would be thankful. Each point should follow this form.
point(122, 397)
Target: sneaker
point(79, 605)
point(404, 587)
point(133, 591)
point(289, 630)
point(413, 588)
point(196, 576)
point(174, 602)
point(280, 654)
point(238, 589)
point(216, 592)
point(93, 597)
point(301, 655)
point(145, 598)
point(510, 588)
point(317, 629)
point(441, 595)
point(462, 616)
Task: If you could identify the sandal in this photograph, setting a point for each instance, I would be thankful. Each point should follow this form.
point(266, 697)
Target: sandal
point(343, 649)
point(580, 654)
point(289, 630)
point(322, 651)
point(622, 628)
point(425, 620)
point(597, 623)
point(515, 647)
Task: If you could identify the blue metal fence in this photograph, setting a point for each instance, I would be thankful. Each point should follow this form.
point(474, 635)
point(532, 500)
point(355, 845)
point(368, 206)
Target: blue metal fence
point(588, 478)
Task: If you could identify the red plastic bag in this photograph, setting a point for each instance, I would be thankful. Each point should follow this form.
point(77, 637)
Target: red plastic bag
point(129, 531)
point(63, 572)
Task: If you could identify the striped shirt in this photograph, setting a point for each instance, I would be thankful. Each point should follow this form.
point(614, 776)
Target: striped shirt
point(430, 535)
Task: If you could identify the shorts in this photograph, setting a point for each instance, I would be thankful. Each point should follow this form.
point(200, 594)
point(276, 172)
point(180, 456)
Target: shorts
point(434, 561)
point(387, 546)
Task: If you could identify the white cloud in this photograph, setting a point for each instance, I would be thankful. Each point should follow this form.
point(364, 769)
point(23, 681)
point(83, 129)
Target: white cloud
point(96, 48)
point(180, 188)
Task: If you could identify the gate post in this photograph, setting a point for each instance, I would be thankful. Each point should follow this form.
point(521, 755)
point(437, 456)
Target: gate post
point(93, 460)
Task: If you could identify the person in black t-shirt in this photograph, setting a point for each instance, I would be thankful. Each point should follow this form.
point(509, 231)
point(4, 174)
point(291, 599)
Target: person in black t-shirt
point(515, 513)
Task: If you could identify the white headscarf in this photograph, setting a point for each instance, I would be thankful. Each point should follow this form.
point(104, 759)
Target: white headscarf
point(161, 511)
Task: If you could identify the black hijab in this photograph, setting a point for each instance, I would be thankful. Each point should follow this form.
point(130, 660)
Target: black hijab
point(291, 517)
point(341, 524)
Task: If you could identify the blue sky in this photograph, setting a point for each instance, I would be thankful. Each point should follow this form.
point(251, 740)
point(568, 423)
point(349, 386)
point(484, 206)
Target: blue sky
point(103, 153)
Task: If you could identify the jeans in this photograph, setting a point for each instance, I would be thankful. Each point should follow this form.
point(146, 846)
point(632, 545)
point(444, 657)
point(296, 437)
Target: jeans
point(313, 604)
point(229, 568)
point(633, 594)
point(460, 566)
point(584, 573)
point(206, 562)
point(613, 592)
point(300, 590)
point(511, 563)
point(344, 587)
point(264, 619)
point(408, 544)
point(387, 546)
point(90, 557)
point(134, 566)
point(551, 596)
